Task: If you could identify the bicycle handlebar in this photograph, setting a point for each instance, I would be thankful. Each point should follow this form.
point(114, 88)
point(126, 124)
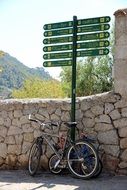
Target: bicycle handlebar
point(41, 123)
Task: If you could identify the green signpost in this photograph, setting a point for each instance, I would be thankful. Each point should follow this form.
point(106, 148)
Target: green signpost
point(65, 41)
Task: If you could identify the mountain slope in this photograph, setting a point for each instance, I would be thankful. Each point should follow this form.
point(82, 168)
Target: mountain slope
point(13, 72)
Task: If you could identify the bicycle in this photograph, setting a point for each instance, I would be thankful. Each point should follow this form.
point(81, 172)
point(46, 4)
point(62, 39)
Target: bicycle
point(79, 156)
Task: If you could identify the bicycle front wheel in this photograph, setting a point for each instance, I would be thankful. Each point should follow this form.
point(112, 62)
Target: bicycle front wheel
point(34, 159)
point(82, 160)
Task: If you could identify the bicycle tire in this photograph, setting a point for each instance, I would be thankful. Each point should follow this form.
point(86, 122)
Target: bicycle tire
point(51, 163)
point(99, 170)
point(82, 159)
point(34, 159)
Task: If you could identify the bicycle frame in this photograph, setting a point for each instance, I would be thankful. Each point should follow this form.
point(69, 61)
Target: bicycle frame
point(45, 136)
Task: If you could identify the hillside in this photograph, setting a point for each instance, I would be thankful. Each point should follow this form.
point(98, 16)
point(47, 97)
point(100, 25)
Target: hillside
point(13, 73)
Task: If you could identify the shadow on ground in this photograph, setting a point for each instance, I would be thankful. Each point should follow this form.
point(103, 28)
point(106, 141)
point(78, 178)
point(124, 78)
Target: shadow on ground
point(19, 179)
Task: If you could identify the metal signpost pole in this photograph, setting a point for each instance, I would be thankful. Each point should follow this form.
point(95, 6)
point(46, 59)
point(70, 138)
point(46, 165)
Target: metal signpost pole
point(74, 55)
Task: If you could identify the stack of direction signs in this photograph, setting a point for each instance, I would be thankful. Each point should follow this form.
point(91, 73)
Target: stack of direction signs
point(91, 40)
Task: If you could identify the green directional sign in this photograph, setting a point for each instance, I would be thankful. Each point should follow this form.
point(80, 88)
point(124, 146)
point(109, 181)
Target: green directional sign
point(58, 32)
point(58, 40)
point(58, 25)
point(91, 28)
point(93, 44)
point(96, 20)
point(57, 63)
point(92, 52)
point(93, 36)
point(83, 45)
point(58, 55)
point(57, 48)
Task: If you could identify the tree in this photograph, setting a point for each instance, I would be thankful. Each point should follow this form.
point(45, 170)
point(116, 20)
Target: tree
point(94, 74)
point(37, 88)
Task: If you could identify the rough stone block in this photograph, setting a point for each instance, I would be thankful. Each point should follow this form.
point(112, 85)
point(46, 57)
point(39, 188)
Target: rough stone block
point(123, 132)
point(103, 127)
point(24, 120)
point(44, 113)
point(123, 165)
point(14, 149)
point(97, 110)
point(1, 121)
point(65, 116)
point(120, 123)
point(85, 105)
point(16, 122)
point(124, 112)
point(115, 115)
point(112, 150)
point(108, 108)
point(88, 122)
point(54, 117)
point(89, 114)
point(17, 113)
point(79, 114)
point(103, 119)
point(1, 160)
point(26, 147)
point(108, 137)
point(23, 159)
point(29, 137)
point(19, 139)
point(27, 128)
point(7, 122)
point(66, 106)
point(110, 162)
point(11, 160)
point(14, 131)
point(124, 155)
point(58, 112)
point(3, 131)
point(1, 139)
point(123, 143)
point(121, 104)
point(3, 150)
point(10, 140)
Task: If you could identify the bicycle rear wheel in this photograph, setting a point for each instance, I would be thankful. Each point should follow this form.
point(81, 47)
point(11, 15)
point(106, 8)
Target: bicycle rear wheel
point(34, 159)
point(82, 160)
point(52, 161)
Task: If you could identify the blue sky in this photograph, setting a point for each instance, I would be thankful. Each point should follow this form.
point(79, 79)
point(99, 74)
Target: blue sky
point(21, 23)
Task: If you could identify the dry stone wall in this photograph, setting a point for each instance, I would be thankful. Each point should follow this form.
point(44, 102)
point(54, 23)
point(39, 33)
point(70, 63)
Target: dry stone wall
point(102, 116)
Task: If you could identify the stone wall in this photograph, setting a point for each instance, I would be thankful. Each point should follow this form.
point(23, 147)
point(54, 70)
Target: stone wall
point(103, 117)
